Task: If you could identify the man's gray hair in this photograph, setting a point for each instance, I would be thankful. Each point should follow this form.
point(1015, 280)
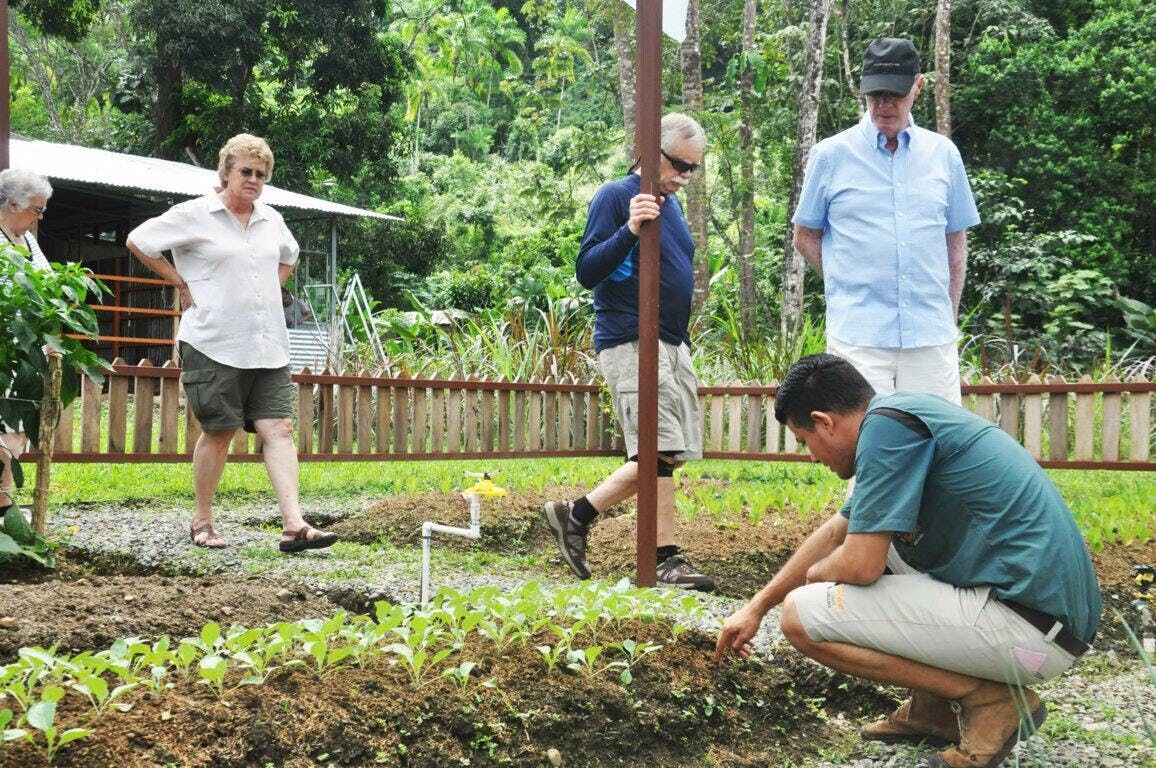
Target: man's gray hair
point(21, 185)
point(679, 127)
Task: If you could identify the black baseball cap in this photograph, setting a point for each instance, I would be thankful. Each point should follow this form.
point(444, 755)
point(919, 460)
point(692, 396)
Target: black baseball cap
point(889, 64)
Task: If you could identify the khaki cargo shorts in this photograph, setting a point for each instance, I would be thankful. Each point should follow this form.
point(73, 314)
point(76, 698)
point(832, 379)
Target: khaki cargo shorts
point(679, 428)
point(914, 616)
point(225, 398)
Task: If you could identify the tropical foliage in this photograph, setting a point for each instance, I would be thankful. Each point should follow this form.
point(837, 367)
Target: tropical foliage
point(488, 125)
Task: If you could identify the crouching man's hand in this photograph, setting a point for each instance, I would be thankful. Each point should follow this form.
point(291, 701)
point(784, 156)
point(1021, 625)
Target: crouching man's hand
point(738, 630)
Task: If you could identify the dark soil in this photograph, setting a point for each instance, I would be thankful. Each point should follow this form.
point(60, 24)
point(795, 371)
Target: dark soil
point(681, 709)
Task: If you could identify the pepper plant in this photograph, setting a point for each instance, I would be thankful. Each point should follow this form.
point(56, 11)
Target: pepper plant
point(38, 309)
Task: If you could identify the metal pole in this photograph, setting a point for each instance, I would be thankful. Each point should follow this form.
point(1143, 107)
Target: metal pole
point(5, 122)
point(649, 101)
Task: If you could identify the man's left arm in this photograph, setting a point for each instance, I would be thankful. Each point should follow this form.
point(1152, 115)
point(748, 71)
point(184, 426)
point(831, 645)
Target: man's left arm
point(957, 268)
point(284, 272)
point(860, 559)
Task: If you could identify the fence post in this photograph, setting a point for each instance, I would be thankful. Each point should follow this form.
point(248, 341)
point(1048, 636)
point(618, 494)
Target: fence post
point(364, 415)
point(1009, 414)
point(437, 420)
point(1034, 421)
point(520, 420)
point(144, 390)
point(773, 425)
point(401, 398)
point(419, 419)
point(117, 410)
point(1058, 420)
point(1110, 423)
point(325, 415)
point(90, 415)
point(487, 418)
point(550, 416)
point(985, 402)
point(170, 411)
point(504, 420)
point(1139, 421)
point(304, 412)
point(63, 439)
point(754, 420)
point(454, 418)
point(735, 420)
point(384, 412)
point(1085, 422)
point(716, 422)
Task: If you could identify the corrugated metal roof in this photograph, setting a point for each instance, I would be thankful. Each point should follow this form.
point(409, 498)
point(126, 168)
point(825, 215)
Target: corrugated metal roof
point(68, 162)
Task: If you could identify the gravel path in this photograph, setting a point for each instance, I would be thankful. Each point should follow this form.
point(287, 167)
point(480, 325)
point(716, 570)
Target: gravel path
point(1099, 711)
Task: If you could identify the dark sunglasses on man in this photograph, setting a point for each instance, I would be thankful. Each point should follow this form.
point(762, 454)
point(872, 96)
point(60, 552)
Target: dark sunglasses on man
point(681, 166)
point(888, 96)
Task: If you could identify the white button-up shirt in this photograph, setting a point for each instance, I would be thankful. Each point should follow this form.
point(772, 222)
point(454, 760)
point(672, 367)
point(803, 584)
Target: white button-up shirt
point(232, 275)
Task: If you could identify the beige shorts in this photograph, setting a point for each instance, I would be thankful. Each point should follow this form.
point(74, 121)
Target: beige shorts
point(934, 370)
point(679, 430)
point(914, 616)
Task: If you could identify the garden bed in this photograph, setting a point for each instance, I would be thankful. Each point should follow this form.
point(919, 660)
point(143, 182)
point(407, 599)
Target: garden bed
point(129, 572)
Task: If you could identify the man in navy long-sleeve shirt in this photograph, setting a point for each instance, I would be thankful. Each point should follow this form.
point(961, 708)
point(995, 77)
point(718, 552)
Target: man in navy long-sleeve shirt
point(608, 263)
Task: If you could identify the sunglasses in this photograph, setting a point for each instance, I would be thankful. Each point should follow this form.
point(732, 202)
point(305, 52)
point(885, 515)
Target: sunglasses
point(681, 166)
point(890, 96)
point(247, 172)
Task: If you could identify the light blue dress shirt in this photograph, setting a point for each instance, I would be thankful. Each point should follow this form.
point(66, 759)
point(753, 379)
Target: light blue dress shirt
point(885, 218)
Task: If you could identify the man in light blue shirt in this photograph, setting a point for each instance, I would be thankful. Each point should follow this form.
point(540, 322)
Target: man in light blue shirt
point(883, 217)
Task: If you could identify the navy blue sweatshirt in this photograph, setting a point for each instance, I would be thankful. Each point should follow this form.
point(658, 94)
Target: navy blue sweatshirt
point(608, 263)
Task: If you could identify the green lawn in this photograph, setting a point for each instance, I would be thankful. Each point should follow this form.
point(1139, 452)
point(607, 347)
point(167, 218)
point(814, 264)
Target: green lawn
point(1108, 505)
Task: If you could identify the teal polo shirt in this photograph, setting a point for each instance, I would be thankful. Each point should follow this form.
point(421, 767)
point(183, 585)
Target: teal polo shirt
point(970, 507)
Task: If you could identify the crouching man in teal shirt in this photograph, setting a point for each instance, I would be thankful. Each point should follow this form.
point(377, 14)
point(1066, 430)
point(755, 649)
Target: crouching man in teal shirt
point(955, 569)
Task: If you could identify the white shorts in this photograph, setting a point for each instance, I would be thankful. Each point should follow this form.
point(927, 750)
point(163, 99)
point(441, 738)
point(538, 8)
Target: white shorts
point(917, 617)
point(934, 370)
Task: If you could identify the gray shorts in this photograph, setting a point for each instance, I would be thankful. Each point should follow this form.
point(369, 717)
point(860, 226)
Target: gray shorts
point(225, 398)
point(679, 428)
point(915, 616)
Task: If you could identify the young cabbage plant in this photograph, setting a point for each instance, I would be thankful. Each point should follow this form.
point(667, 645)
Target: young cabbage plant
point(42, 717)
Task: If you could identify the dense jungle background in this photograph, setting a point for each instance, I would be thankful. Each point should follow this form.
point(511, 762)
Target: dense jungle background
point(487, 126)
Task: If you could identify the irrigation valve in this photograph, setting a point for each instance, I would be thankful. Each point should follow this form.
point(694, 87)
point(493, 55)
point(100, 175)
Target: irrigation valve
point(1144, 576)
point(483, 487)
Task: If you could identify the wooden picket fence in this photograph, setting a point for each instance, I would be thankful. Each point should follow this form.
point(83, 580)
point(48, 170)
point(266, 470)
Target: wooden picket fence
point(139, 416)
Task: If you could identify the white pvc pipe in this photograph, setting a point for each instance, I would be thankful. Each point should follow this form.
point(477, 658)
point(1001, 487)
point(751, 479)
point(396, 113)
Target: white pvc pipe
point(429, 528)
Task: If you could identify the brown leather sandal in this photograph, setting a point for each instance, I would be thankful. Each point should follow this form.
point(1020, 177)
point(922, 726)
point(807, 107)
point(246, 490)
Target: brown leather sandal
point(203, 534)
point(301, 540)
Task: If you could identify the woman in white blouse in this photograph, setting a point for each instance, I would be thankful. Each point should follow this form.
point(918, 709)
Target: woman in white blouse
point(231, 255)
point(23, 201)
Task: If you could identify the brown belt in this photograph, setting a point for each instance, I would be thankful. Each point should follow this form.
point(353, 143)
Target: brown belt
point(1046, 624)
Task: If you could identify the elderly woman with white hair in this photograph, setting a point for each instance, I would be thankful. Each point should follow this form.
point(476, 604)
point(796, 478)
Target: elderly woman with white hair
point(231, 255)
point(23, 201)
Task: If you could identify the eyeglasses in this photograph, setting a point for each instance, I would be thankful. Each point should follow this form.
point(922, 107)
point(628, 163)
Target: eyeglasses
point(886, 96)
point(247, 172)
point(681, 166)
point(40, 209)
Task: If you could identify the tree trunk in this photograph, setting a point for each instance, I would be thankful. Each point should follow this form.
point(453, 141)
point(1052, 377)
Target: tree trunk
point(748, 291)
point(943, 67)
point(49, 415)
point(168, 108)
point(696, 213)
point(793, 265)
point(622, 34)
point(852, 86)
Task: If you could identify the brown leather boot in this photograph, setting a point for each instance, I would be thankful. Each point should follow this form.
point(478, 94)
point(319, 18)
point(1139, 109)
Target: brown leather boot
point(993, 718)
point(924, 718)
